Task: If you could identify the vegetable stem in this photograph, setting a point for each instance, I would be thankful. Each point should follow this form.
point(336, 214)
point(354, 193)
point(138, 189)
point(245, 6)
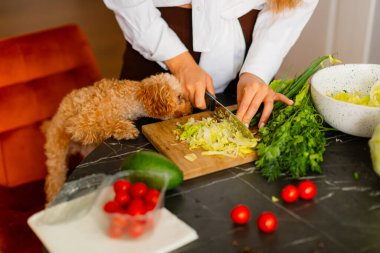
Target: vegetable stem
point(292, 88)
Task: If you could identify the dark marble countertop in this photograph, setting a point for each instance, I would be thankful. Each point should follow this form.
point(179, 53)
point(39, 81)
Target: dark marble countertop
point(343, 217)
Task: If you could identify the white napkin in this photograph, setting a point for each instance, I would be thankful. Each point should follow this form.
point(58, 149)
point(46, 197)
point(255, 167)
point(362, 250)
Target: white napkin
point(88, 232)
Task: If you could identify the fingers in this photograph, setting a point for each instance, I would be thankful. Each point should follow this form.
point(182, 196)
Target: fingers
point(252, 91)
point(197, 91)
point(199, 98)
point(210, 86)
point(254, 106)
point(251, 101)
point(244, 100)
point(199, 94)
point(283, 98)
point(268, 108)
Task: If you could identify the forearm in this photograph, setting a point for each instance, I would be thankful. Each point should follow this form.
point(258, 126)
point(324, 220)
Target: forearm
point(180, 62)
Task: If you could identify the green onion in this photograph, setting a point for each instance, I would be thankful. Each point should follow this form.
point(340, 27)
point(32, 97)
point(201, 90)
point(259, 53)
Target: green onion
point(292, 89)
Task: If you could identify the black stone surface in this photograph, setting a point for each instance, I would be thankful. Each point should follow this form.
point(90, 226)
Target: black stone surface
point(343, 217)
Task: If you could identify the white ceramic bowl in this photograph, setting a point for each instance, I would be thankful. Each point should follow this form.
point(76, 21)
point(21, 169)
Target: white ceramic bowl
point(349, 118)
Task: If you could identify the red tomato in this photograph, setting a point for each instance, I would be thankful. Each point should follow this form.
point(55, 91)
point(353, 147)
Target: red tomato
point(119, 221)
point(149, 223)
point(240, 214)
point(136, 207)
point(289, 193)
point(111, 207)
point(135, 230)
point(121, 185)
point(267, 222)
point(307, 189)
point(151, 197)
point(115, 232)
point(138, 190)
point(122, 198)
point(149, 206)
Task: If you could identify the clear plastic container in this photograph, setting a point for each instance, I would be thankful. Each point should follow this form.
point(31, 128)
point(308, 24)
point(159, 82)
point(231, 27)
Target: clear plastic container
point(121, 224)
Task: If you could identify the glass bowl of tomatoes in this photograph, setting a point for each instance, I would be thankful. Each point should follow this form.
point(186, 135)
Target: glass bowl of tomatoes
point(132, 202)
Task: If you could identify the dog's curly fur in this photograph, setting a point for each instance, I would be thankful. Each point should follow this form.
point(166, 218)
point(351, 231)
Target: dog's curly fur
point(90, 115)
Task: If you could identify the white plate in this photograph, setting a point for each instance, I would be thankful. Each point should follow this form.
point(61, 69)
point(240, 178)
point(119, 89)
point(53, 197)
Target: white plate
point(88, 233)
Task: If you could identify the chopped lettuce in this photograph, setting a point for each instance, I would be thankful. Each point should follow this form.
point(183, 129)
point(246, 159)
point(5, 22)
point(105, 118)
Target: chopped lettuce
point(215, 137)
point(355, 97)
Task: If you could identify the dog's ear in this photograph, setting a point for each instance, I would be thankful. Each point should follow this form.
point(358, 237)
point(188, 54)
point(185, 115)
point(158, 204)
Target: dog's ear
point(158, 97)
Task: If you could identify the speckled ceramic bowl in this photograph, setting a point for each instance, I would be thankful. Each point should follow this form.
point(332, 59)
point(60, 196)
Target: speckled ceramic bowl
point(349, 118)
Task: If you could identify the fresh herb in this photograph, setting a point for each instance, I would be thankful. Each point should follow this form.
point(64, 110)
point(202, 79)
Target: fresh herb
point(293, 141)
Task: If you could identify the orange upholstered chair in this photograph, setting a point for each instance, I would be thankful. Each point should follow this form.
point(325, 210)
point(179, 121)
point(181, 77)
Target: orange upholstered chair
point(36, 71)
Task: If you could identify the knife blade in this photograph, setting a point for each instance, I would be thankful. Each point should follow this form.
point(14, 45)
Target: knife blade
point(221, 111)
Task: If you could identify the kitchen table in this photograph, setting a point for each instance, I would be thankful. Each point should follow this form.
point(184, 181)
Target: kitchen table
point(343, 217)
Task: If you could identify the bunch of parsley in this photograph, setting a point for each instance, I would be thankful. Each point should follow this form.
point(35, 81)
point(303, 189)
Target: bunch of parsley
point(293, 141)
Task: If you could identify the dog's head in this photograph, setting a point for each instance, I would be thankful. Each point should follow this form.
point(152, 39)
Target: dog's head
point(162, 97)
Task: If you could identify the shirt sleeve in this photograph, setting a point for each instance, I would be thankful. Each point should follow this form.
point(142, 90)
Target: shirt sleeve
point(273, 36)
point(145, 29)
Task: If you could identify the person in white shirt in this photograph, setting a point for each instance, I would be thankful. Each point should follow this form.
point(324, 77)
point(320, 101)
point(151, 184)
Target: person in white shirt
point(205, 45)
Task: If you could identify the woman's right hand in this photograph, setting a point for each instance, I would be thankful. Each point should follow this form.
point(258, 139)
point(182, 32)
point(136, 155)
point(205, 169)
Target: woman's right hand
point(195, 81)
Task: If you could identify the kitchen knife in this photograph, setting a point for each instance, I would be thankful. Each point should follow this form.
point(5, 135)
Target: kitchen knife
point(222, 112)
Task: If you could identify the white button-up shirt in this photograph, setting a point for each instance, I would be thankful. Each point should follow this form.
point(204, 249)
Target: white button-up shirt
point(217, 34)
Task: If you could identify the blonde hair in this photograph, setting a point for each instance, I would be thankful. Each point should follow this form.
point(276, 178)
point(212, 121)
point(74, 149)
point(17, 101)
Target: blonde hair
point(281, 5)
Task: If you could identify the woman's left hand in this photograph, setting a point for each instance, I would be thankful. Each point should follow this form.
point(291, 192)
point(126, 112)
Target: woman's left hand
point(251, 92)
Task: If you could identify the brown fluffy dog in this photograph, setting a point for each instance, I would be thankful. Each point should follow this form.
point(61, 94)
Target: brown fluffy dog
point(90, 115)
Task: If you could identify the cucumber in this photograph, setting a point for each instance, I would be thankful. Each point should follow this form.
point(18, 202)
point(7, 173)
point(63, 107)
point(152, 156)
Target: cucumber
point(155, 162)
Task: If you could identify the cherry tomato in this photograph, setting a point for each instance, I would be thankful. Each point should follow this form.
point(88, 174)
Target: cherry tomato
point(122, 198)
point(289, 193)
point(267, 222)
point(121, 185)
point(138, 190)
point(119, 221)
point(111, 207)
point(136, 207)
point(135, 230)
point(307, 189)
point(115, 232)
point(151, 197)
point(240, 214)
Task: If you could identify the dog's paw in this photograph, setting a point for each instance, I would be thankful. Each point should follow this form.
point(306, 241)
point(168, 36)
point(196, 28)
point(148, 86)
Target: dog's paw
point(128, 132)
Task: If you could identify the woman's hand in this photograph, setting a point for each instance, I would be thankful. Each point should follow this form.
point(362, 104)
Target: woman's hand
point(251, 92)
point(195, 81)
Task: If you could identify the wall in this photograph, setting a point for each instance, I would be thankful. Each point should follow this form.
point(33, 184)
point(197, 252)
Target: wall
point(25, 16)
point(374, 52)
point(348, 28)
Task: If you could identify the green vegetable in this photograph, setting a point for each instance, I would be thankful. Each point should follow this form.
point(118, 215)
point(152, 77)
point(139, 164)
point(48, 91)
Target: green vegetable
point(155, 162)
point(291, 88)
point(293, 141)
point(374, 144)
point(216, 137)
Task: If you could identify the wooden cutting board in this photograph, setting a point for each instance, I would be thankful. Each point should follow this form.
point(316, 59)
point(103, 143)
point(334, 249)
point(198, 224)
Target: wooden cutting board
point(161, 136)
